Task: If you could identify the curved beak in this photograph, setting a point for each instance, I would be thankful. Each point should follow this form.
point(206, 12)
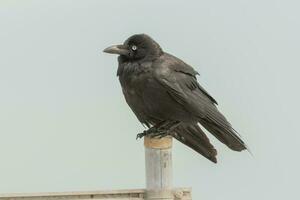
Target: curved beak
point(117, 49)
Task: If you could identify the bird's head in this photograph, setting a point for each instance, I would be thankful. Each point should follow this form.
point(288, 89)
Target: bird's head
point(136, 47)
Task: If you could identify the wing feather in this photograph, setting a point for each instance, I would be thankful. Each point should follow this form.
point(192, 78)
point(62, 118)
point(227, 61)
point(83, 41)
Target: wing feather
point(180, 83)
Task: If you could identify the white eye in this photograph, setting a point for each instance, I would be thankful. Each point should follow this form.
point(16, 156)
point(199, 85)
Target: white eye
point(133, 47)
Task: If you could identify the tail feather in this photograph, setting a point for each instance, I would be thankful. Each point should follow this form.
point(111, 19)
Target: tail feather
point(192, 136)
point(225, 133)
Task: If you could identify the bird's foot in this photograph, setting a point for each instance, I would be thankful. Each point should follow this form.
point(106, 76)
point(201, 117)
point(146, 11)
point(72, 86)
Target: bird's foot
point(167, 129)
point(148, 132)
point(140, 135)
point(159, 131)
point(153, 133)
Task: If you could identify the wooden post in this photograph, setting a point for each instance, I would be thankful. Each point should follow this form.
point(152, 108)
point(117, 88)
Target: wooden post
point(158, 157)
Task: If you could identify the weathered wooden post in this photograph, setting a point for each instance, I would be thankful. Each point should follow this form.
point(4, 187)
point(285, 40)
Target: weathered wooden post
point(158, 158)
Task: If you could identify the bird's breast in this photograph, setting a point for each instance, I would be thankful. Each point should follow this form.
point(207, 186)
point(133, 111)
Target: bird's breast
point(135, 84)
point(135, 77)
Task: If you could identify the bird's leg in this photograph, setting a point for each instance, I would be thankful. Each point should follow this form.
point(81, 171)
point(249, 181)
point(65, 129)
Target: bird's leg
point(171, 128)
point(166, 129)
point(152, 130)
point(173, 125)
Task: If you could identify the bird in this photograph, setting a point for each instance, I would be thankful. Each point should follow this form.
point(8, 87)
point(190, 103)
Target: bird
point(164, 94)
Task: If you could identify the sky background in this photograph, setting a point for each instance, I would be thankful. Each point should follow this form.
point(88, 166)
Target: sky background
point(64, 124)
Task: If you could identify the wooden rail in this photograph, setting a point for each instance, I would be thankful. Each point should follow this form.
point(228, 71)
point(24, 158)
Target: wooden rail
point(135, 194)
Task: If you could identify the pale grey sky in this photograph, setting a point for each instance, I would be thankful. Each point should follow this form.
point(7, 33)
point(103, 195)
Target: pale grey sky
point(64, 123)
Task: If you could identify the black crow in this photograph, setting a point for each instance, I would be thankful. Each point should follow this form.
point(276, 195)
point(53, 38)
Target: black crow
point(164, 94)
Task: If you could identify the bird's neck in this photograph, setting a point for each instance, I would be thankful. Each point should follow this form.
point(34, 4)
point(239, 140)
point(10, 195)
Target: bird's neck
point(134, 68)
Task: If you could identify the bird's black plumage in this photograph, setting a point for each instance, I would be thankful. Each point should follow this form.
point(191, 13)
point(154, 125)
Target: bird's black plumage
point(164, 94)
